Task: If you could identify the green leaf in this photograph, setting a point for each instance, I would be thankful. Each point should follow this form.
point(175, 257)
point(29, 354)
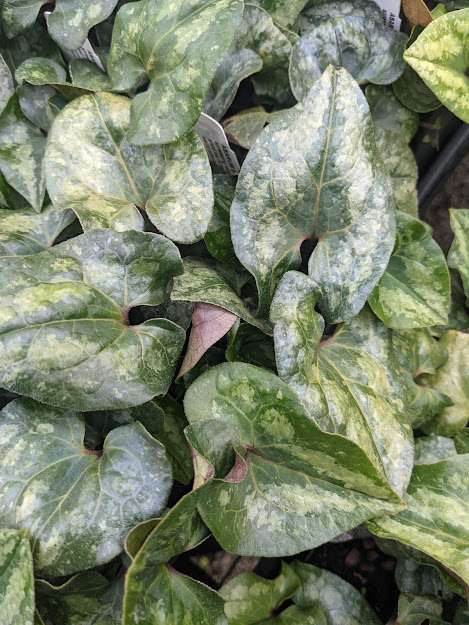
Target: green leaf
point(234, 68)
point(458, 256)
point(218, 235)
point(18, 15)
point(177, 46)
point(180, 529)
point(345, 34)
point(71, 20)
point(174, 598)
point(288, 191)
point(435, 521)
point(292, 486)
point(21, 153)
point(16, 579)
point(64, 330)
point(163, 418)
point(343, 388)
point(413, 93)
point(440, 56)
point(40, 105)
point(41, 71)
point(433, 448)
point(26, 232)
point(77, 505)
point(399, 162)
point(284, 13)
point(86, 599)
point(250, 598)
point(92, 168)
point(414, 291)
point(453, 380)
point(202, 283)
point(414, 610)
point(6, 84)
point(341, 602)
point(389, 114)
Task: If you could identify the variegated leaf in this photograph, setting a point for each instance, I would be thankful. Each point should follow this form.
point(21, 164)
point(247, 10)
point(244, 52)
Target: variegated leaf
point(414, 610)
point(399, 162)
point(86, 599)
point(21, 154)
point(341, 602)
point(314, 173)
point(435, 521)
point(40, 105)
point(92, 168)
point(281, 484)
point(200, 282)
point(76, 504)
point(18, 15)
point(389, 114)
point(433, 448)
point(218, 235)
point(414, 291)
point(414, 94)
point(250, 598)
point(6, 84)
point(343, 388)
point(453, 380)
point(179, 530)
point(71, 20)
point(16, 579)
point(345, 34)
point(440, 56)
point(458, 257)
point(85, 77)
point(26, 232)
point(284, 12)
point(65, 334)
point(177, 46)
point(298, 616)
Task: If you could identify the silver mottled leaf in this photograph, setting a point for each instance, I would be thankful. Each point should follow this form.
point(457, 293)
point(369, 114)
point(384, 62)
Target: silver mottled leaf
point(347, 34)
point(6, 83)
point(458, 256)
point(177, 45)
point(388, 113)
point(16, 579)
point(314, 173)
point(92, 168)
point(64, 332)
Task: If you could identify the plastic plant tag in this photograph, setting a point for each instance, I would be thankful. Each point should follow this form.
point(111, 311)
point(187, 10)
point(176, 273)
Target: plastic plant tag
point(216, 144)
point(391, 10)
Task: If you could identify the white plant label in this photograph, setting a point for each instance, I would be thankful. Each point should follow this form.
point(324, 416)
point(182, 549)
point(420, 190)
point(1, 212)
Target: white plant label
point(217, 146)
point(391, 10)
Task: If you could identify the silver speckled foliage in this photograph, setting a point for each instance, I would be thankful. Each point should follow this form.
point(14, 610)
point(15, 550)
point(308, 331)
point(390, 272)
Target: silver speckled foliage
point(214, 378)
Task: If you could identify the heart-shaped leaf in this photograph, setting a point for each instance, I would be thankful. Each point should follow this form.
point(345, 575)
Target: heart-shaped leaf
point(16, 579)
point(92, 168)
point(435, 520)
point(86, 599)
point(284, 14)
point(458, 256)
point(287, 473)
point(177, 46)
point(288, 190)
point(64, 330)
point(346, 34)
point(77, 505)
point(414, 610)
point(250, 598)
point(440, 56)
point(26, 232)
point(343, 388)
point(18, 15)
point(414, 291)
point(21, 154)
point(342, 603)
